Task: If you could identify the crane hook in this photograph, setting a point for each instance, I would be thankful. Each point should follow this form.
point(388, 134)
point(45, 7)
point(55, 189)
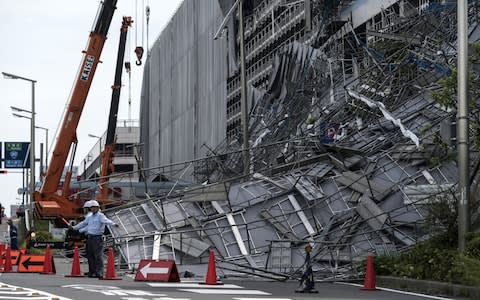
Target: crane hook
point(139, 53)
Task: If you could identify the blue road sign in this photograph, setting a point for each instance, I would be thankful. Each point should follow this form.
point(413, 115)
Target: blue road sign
point(17, 155)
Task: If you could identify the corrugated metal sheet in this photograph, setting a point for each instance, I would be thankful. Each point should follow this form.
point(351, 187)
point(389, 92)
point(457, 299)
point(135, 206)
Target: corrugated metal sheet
point(184, 87)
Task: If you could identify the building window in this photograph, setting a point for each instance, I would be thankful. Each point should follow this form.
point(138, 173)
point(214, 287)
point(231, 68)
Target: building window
point(123, 168)
point(123, 150)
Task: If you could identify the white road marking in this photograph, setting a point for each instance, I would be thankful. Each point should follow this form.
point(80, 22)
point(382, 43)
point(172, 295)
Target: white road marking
point(225, 291)
point(399, 292)
point(26, 298)
point(28, 293)
point(111, 290)
point(167, 298)
point(262, 299)
point(14, 292)
point(192, 285)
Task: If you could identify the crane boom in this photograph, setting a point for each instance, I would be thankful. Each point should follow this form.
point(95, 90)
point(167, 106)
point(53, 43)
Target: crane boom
point(48, 204)
point(109, 151)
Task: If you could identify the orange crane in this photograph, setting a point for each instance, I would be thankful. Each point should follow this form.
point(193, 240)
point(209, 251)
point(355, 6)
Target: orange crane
point(48, 203)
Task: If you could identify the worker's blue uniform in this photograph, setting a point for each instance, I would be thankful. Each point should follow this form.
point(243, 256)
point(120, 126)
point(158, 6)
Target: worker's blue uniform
point(13, 237)
point(94, 226)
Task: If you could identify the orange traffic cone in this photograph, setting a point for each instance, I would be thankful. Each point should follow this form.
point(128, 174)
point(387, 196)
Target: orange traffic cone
point(110, 274)
point(75, 264)
point(48, 265)
point(369, 284)
point(2, 254)
point(211, 278)
point(8, 261)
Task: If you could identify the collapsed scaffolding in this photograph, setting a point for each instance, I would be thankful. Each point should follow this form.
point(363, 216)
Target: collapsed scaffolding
point(348, 146)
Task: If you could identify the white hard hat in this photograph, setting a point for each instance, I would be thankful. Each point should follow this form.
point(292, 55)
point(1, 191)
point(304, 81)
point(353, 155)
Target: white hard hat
point(94, 203)
point(87, 204)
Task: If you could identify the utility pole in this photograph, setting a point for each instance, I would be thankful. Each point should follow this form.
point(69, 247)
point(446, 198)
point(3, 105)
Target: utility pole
point(462, 125)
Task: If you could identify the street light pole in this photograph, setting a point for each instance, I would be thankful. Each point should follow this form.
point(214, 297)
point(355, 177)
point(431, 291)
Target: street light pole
point(32, 132)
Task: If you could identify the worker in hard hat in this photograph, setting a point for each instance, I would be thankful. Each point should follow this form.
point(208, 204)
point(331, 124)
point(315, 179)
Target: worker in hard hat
point(86, 208)
point(94, 226)
point(87, 212)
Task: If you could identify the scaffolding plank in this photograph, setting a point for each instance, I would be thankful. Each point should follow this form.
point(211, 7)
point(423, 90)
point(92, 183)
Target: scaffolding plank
point(370, 212)
point(188, 245)
point(267, 216)
point(216, 192)
point(360, 184)
point(305, 187)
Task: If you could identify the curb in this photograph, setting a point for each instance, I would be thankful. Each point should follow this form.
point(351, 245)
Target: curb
point(429, 287)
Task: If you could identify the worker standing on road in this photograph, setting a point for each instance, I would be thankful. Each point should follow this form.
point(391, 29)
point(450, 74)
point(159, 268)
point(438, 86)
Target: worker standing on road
point(94, 226)
point(13, 235)
point(88, 212)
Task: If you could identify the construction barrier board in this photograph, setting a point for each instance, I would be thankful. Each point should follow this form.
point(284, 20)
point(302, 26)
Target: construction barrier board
point(15, 255)
point(164, 270)
point(33, 263)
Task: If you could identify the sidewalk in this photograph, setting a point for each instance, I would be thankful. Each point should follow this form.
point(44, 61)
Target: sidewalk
point(429, 287)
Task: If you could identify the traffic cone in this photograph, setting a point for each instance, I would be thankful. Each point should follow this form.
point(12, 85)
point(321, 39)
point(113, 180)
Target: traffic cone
point(8, 261)
point(211, 278)
point(2, 254)
point(75, 264)
point(48, 265)
point(110, 273)
point(369, 283)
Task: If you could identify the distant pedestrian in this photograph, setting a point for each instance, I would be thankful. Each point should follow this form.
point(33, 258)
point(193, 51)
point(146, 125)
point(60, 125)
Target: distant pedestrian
point(13, 235)
point(94, 226)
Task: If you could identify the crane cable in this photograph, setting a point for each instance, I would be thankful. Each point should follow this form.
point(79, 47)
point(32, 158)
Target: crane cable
point(147, 13)
point(128, 69)
point(139, 49)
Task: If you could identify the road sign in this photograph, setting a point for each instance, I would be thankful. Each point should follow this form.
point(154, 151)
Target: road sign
point(163, 270)
point(17, 155)
point(32, 263)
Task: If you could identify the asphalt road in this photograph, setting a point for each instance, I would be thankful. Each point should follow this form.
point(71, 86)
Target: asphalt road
point(57, 286)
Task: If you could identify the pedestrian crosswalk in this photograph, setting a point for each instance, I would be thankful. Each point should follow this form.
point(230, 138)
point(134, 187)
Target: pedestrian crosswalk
point(225, 291)
point(231, 290)
point(12, 292)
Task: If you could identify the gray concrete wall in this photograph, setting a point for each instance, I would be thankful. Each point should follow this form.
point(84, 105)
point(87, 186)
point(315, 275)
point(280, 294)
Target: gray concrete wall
point(184, 87)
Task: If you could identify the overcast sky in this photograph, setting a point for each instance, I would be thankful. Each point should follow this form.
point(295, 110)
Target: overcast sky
point(43, 40)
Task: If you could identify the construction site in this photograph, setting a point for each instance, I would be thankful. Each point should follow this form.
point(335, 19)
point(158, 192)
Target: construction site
point(351, 135)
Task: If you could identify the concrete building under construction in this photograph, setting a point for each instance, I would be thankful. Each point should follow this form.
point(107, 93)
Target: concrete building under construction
point(351, 133)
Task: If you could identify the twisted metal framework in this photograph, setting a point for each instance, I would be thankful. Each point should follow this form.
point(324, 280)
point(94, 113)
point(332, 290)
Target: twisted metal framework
point(348, 146)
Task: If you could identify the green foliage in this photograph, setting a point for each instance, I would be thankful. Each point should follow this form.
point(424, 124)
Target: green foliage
point(473, 245)
point(41, 225)
point(311, 120)
point(474, 52)
point(446, 96)
point(442, 217)
point(43, 236)
point(436, 259)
